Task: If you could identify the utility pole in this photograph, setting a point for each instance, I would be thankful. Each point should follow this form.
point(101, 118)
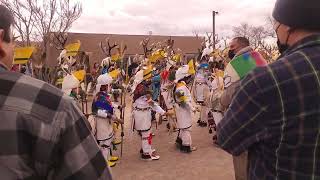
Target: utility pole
point(214, 28)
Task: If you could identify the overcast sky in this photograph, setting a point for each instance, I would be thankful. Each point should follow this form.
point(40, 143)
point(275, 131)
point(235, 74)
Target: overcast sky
point(169, 17)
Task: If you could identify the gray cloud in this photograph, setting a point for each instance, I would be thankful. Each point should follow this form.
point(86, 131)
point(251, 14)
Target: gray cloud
point(168, 17)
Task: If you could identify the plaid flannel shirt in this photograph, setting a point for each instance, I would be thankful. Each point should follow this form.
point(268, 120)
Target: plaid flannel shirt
point(43, 135)
point(275, 115)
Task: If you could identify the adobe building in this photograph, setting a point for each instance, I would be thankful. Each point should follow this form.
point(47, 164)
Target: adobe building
point(90, 43)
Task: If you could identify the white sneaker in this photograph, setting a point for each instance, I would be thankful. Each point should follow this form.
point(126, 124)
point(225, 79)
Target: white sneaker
point(148, 157)
point(155, 157)
point(193, 148)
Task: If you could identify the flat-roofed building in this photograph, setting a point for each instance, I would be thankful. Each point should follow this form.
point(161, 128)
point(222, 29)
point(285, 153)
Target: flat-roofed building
point(91, 43)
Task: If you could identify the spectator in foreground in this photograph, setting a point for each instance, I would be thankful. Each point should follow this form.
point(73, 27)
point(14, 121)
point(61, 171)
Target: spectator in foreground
point(242, 59)
point(43, 135)
point(275, 114)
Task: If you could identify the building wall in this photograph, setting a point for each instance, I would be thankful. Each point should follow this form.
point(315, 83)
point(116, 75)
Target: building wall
point(91, 43)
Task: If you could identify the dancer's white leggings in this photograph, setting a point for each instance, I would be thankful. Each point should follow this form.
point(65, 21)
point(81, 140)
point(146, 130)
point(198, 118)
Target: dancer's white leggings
point(204, 113)
point(105, 147)
point(185, 135)
point(146, 145)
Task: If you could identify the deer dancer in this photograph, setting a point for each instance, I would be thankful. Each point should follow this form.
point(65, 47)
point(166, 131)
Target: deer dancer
point(103, 108)
point(141, 115)
point(184, 108)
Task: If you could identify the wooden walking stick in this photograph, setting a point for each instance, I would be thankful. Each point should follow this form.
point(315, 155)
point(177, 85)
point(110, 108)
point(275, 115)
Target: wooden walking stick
point(123, 102)
point(123, 94)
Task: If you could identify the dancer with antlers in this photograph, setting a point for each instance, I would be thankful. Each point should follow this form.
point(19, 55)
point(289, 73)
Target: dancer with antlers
point(107, 50)
point(141, 114)
point(184, 108)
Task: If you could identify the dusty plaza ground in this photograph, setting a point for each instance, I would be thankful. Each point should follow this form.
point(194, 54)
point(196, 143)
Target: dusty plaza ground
point(208, 162)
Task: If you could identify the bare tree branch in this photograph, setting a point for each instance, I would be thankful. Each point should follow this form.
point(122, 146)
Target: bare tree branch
point(24, 23)
point(37, 20)
point(259, 37)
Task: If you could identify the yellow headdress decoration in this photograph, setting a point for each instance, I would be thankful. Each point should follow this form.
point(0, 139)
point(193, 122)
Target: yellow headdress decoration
point(73, 49)
point(147, 73)
point(192, 70)
point(115, 73)
point(80, 75)
point(177, 57)
point(159, 54)
point(22, 54)
point(115, 58)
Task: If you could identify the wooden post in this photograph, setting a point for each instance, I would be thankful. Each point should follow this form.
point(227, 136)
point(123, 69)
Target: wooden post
point(214, 28)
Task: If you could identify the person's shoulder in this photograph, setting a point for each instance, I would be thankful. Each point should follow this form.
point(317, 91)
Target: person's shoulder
point(28, 95)
point(257, 79)
point(296, 58)
point(45, 89)
point(257, 74)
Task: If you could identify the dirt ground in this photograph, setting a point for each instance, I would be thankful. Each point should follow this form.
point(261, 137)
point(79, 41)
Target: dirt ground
point(208, 162)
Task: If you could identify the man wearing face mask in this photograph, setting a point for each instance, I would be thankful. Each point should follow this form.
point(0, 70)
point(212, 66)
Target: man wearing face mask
point(275, 114)
point(238, 46)
point(243, 56)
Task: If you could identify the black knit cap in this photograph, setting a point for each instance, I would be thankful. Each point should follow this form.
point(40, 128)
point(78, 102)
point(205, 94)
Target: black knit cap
point(303, 14)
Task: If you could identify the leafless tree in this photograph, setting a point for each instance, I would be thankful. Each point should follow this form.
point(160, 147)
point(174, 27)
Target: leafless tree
point(244, 30)
point(54, 19)
point(209, 39)
point(196, 33)
point(259, 37)
point(24, 19)
point(256, 34)
point(45, 22)
point(57, 40)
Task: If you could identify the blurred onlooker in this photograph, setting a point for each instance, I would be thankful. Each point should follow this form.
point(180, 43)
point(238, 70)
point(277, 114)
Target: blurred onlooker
point(275, 114)
point(43, 134)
